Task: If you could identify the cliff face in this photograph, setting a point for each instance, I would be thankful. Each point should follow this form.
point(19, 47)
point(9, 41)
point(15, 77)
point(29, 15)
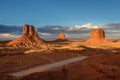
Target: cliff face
point(30, 38)
point(98, 36)
point(97, 33)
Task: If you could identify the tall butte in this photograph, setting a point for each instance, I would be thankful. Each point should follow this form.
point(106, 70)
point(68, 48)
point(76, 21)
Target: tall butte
point(30, 38)
point(98, 36)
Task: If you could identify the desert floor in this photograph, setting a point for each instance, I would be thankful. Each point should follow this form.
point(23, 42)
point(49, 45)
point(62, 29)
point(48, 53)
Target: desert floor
point(103, 62)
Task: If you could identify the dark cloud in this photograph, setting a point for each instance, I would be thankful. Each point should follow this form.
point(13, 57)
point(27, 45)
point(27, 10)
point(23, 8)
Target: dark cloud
point(58, 29)
point(51, 29)
point(51, 32)
point(113, 26)
point(11, 29)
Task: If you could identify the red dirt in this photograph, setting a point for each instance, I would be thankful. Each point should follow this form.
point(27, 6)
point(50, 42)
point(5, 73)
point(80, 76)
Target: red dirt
point(101, 65)
point(97, 67)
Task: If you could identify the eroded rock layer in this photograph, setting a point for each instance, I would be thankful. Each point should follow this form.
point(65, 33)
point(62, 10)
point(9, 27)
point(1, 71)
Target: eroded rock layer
point(98, 36)
point(29, 38)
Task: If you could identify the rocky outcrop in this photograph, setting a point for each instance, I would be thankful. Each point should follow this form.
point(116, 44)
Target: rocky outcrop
point(98, 36)
point(29, 38)
point(31, 30)
point(97, 33)
point(26, 29)
point(61, 37)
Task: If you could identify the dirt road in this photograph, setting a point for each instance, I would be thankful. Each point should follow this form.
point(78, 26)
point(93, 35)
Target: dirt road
point(47, 66)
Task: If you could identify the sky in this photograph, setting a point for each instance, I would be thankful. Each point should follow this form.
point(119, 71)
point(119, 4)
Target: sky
point(59, 12)
point(74, 17)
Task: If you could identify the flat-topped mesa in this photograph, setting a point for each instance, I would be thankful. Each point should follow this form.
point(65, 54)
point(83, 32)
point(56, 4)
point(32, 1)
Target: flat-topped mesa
point(30, 38)
point(97, 33)
point(98, 36)
point(61, 37)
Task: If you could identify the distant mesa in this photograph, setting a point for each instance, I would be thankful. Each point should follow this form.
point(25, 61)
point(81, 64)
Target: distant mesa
point(29, 38)
point(61, 37)
point(98, 33)
point(98, 36)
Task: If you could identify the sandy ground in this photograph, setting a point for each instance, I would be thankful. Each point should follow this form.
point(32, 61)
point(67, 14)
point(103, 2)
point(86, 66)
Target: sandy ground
point(51, 66)
point(105, 66)
point(103, 63)
point(15, 63)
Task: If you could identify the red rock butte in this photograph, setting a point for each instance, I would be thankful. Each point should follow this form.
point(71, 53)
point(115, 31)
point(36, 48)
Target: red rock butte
point(98, 36)
point(61, 37)
point(29, 38)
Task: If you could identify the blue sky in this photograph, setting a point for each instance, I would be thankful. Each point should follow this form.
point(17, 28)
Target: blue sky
point(59, 12)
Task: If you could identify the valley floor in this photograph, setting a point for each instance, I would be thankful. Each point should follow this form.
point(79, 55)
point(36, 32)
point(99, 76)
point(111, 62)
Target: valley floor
point(103, 62)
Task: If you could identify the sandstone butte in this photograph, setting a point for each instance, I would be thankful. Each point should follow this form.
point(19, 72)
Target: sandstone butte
point(30, 38)
point(61, 37)
point(98, 36)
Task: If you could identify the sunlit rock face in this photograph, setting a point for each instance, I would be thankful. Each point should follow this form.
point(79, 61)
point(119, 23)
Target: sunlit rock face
point(97, 33)
point(31, 30)
point(29, 38)
point(98, 36)
point(61, 37)
point(25, 29)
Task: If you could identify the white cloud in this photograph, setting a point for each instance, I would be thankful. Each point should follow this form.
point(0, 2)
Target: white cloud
point(45, 34)
point(71, 29)
point(7, 35)
point(78, 27)
point(55, 28)
point(77, 31)
point(89, 25)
